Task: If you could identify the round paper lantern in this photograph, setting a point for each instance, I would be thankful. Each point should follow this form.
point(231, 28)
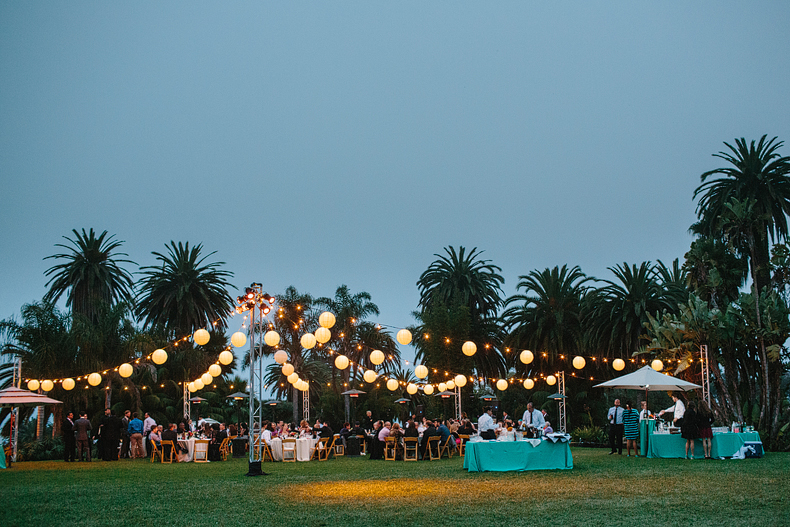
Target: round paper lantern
point(551, 380)
point(271, 338)
point(191, 387)
point(460, 380)
point(469, 348)
point(501, 385)
point(198, 384)
point(125, 370)
point(326, 320)
point(526, 357)
point(308, 341)
point(215, 370)
point(403, 337)
point(323, 335)
point(377, 357)
point(68, 384)
point(238, 339)
point(287, 369)
point(304, 385)
point(529, 384)
point(370, 376)
point(657, 365)
point(159, 356)
point(226, 357)
point(579, 362)
point(450, 385)
point(411, 389)
point(47, 385)
point(280, 357)
point(421, 371)
point(207, 378)
point(428, 389)
point(442, 387)
point(94, 379)
point(201, 337)
point(341, 362)
point(392, 385)
point(618, 364)
point(292, 378)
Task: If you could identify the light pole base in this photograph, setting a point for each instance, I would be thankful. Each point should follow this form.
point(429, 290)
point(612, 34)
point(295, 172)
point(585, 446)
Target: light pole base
point(255, 469)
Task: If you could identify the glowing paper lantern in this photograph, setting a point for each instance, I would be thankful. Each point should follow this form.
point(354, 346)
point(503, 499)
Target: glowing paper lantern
point(308, 341)
point(411, 389)
point(551, 380)
point(238, 339)
point(469, 348)
point(579, 362)
point(207, 378)
point(529, 384)
point(341, 362)
point(323, 335)
point(526, 357)
point(293, 378)
point(403, 337)
point(68, 384)
point(392, 385)
point(280, 357)
point(226, 357)
point(370, 376)
point(460, 380)
point(94, 379)
point(198, 384)
point(326, 320)
point(215, 370)
point(271, 338)
point(303, 386)
point(201, 337)
point(191, 387)
point(428, 389)
point(421, 371)
point(618, 364)
point(450, 385)
point(159, 356)
point(125, 370)
point(47, 385)
point(657, 365)
point(501, 385)
point(287, 369)
point(442, 387)
point(376, 357)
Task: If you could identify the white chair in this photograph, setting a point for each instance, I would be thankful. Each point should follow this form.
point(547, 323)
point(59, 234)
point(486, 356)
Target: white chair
point(201, 451)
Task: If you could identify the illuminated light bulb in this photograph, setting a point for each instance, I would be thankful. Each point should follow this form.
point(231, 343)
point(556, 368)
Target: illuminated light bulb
point(403, 337)
point(201, 337)
point(159, 356)
point(215, 370)
point(238, 339)
point(226, 357)
point(280, 357)
point(618, 364)
point(526, 357)
point(421, 371)
point(68, 384)
point(579, 362)
point(428, 389)
point(125, 370)
point(323, 335)
point(377, 357)
point(529, 384)
point(469, 348)
point(308, 341)
point(271, 338)
point(460, 380)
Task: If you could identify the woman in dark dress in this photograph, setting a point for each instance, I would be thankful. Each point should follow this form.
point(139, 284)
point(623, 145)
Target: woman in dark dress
point(704, 423)
point(689, 430)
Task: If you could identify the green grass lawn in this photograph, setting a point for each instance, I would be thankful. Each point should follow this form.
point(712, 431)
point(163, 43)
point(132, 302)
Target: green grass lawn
point(600, 490)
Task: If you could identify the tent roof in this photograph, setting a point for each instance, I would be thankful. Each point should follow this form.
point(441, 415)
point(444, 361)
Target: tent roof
point(646, 378)
point(13, 397)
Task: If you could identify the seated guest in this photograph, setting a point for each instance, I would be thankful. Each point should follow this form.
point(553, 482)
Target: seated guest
point(170, 435)
point(268, 429)
point(156, 436)
point(444, 432)
point(466, 428)
point(358, 430)
point(182, 428)
point(232, 430)
point(426, 435)
point(345, 432)
point(375, 447)
point(218, 434)
point(411, 429)
point(548, 429)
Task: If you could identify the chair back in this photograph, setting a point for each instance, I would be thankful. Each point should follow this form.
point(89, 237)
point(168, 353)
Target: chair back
point(390, 448)
point(201, 451)
point(447, 448)
point(363, 445)
point(289, 449)
point(224, 448)
point(433, 449)
point(168, 450)
point(155, 451)
point(340, 448)
point(324, 448)
point(462, 448)
point(410, 448)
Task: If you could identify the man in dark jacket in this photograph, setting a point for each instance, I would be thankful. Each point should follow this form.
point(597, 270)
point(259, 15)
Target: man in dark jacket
point(83, 429)
point(67, 428)
point(429, 432)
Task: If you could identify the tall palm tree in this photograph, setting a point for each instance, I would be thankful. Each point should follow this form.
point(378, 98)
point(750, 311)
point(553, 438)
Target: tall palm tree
point(757, 172)
point(184, 293)
point(91, 273)
point(713, 271)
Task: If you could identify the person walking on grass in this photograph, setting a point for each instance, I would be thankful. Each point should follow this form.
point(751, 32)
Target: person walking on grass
point(631, 429)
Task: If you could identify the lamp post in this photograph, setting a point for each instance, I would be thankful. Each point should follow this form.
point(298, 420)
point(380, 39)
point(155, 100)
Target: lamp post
point(237, 397)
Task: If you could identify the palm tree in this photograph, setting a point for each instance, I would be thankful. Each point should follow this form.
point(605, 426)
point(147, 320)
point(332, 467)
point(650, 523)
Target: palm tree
point(757, 173)
point(713, 271)
point(91, 274)
point(184, 293)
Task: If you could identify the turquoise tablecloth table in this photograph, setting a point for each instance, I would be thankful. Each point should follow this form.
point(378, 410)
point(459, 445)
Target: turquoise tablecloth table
point(503, 456)
point(674, 446)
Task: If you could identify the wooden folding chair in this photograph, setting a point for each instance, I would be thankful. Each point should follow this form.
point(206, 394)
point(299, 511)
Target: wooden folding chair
point(433, 449)
point(289, 450)
point(324, 447)
point(155, 451)
point(201, 451)
point(363, 445)
point(340, 448)
point(224, 448)
point(462, 447)
point(411, 447)
point(171, 450)
point(447, 448)
point(266, 451)
point(390, 448)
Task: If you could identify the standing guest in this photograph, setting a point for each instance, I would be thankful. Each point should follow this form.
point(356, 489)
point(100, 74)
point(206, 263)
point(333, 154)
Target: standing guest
point(485, 424)
point(83, 429)
point(136, 437)
point(631, 429)
point(367, 422)
point(644, 413)
point(374, 445)
point(615, 417)
point(69, 443)
point(533, 420)
point(125, 434)
point(148, 424)
point(704, 423)
point(678, 410)
point(688, 428)
point(107, 433)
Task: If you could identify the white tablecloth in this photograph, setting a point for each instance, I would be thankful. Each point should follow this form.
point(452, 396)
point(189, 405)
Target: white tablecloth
point(304, 447)
point(189, 444)
point(276, 447)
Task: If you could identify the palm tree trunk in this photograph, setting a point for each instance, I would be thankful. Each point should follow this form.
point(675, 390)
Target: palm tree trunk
point(108, 392)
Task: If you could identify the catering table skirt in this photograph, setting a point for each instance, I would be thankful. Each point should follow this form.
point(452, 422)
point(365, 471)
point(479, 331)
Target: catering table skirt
point(276, 446)
point(304, 448)
point(502, 456)
point(674, 446)
point(189, 444)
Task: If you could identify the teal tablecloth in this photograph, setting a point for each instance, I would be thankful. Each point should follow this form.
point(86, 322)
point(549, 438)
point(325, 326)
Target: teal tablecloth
point(502, 456)
point(674, 446)
point(646, 427)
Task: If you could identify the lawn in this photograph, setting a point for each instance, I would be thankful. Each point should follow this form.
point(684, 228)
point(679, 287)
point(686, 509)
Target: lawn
point(600, 490)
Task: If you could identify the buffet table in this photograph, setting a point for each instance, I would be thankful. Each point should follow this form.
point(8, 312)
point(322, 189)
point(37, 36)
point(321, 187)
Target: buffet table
point(502, 456)
point(674, 446)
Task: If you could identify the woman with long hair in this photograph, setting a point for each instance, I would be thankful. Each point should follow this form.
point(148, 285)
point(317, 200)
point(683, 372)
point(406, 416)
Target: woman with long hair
point(704, 423)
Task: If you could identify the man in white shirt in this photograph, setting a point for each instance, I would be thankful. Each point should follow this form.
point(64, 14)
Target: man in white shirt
point(678, 409)
point(616, 428)
point(148, 425)
point(644, 413)
point(533, 420)
point(485, 424)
